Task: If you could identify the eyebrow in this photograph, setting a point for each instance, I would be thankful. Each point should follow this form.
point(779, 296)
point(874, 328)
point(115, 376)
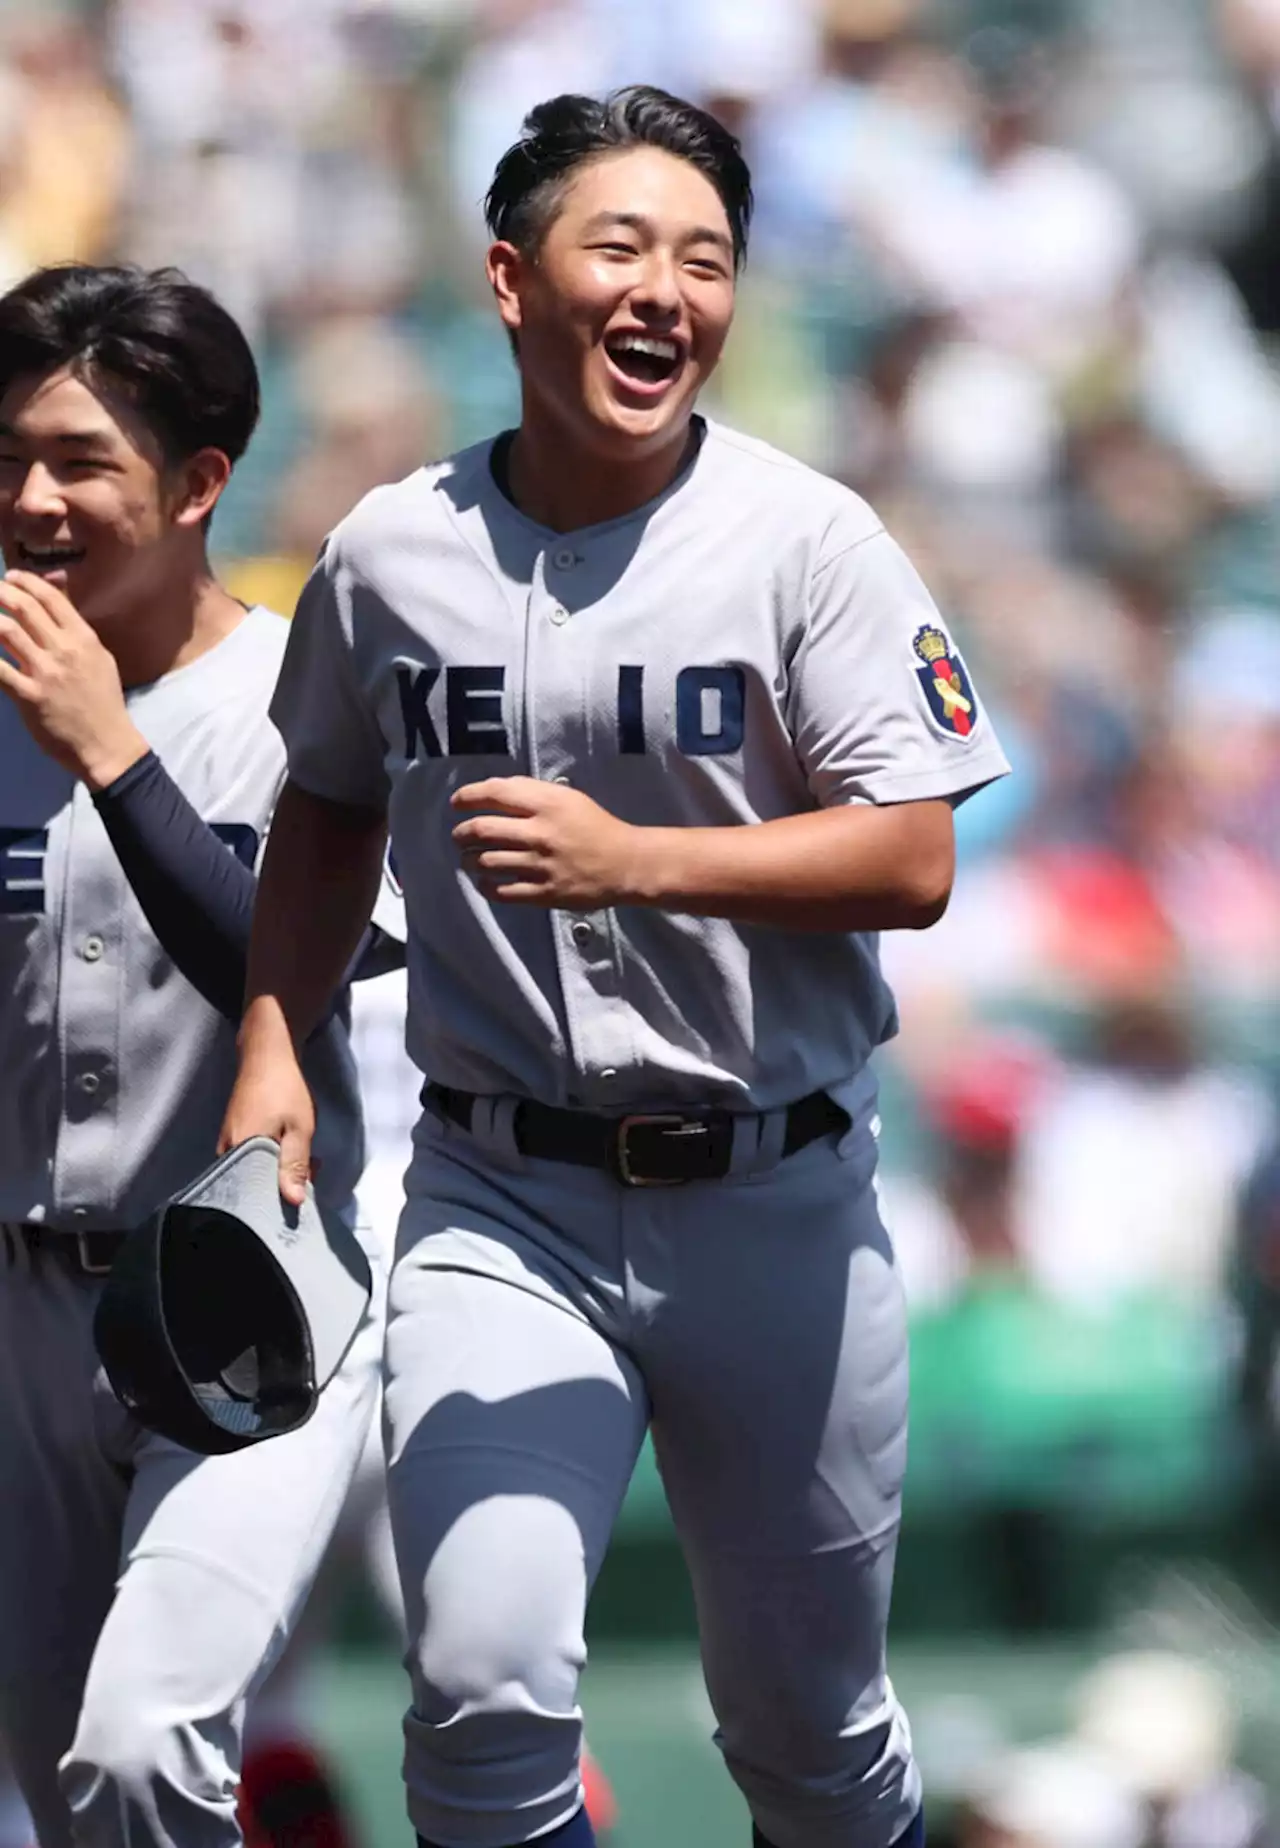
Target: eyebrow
point(636, 221)
point(69, 439)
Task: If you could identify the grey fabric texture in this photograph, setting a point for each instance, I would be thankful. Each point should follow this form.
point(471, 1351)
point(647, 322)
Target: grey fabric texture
point(748, 645)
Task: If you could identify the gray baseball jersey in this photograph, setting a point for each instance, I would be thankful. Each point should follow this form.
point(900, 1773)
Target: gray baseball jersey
point(750, 645)
point(117, 1070)
point(117, 1074)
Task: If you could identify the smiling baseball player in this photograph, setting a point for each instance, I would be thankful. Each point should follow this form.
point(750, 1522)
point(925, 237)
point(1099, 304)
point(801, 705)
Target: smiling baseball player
point(667, 730)
point(144, 1591)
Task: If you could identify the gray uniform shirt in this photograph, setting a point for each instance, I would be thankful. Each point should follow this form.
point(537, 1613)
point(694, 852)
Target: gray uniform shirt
point(749, 645)
point(114, 1071)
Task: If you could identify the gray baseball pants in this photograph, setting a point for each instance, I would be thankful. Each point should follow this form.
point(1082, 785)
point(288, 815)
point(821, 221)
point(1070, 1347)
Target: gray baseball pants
point(541, 1318)
point(144, 1591)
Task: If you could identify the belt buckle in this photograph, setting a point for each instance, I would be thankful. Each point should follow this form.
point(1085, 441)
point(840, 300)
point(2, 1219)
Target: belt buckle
point(626, 1173)
point(87, 1268)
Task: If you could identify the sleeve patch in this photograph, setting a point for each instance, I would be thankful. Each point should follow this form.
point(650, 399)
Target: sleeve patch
point(944, 683)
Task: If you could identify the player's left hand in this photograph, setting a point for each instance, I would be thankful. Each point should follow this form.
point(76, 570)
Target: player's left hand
point(64, 682)
point(545, 844)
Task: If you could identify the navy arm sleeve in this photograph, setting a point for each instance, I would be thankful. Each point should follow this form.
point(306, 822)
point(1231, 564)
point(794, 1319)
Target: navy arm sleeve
point(195, 893)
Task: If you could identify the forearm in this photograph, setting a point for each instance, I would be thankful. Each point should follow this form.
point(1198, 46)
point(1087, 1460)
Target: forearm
point(860, 868)
point(195, 893)
point(317, 889)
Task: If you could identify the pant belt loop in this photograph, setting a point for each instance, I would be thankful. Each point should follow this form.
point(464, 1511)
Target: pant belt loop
point(493, 1124)
point(757, 1142)
point(18, 1252)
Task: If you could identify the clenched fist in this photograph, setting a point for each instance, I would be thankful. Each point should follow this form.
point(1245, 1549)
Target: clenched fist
point(526, 842)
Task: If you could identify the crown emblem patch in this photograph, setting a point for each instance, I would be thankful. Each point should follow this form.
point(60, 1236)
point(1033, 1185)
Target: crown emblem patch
point(944, 682)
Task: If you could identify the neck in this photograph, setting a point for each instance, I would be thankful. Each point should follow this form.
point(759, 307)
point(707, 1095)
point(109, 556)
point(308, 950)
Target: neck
point(560, 487)
point(173, 626)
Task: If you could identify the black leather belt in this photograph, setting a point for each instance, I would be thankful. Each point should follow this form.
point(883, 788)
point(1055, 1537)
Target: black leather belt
point(649, 1149)
point(90, 1254)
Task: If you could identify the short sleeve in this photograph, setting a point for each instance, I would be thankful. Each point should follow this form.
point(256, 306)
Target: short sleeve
point(881, 705)
point(332, 737)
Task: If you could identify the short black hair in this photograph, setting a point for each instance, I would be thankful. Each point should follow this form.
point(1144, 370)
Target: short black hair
point(165, 344)
point(567, 131)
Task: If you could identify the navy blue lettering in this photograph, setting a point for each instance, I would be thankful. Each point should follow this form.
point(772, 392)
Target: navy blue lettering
point(239, 837)
point(22, 852)
point(415, 685)
point(710, 711)
point(631, 711)
point(711, 704)
point(473, 710)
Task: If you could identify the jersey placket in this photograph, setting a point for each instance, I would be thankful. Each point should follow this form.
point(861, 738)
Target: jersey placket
point(560, 699)
point(91, 989)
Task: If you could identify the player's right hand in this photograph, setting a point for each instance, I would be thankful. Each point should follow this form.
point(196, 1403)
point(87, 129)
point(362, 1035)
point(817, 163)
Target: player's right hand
point(64, 682)
point(270, 1097)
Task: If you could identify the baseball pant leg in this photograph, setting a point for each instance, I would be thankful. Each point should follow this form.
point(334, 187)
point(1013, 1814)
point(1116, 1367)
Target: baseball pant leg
point(217, 1557)
point(778, 1374)
point(64, 1504)
point(513, 1428)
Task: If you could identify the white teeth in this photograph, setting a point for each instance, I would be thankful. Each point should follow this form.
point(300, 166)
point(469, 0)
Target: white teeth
point(645, 343)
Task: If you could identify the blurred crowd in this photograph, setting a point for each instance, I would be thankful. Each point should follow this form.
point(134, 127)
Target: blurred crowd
point(1146, 1761)
point(1015, 277)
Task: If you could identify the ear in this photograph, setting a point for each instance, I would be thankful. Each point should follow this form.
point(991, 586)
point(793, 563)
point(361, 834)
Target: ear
point(199, 482)
point(505, 268)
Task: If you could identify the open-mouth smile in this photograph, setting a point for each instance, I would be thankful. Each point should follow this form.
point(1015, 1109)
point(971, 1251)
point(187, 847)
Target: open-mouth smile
point(46, 559)
point(646, 364)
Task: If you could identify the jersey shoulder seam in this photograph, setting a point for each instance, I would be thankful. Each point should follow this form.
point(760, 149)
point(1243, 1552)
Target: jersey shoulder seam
point(765, 453)
point(855, 545)
point(759, 450)
point(351, 528)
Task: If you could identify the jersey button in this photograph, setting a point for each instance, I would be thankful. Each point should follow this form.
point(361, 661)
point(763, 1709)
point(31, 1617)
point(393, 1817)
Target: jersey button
point(559, 615)
point(91, 949)
point(89, 1083)
point(582, 933)
point(565, 559)
point(564, 781)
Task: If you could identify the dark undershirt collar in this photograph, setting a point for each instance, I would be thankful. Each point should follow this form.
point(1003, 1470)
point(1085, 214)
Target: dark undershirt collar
point(500, 458)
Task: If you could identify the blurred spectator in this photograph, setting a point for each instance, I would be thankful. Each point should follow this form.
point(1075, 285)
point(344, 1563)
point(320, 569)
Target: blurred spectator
point(371, 417)
point(69, 145)
point(1131, 1169)
point(882, 107)
point(1204, 380)
point(523, 52)
point(961, 1227)
point(285, 197)
point(738, 58)
point(1054, 1796)
point(1168, 1726)
point(1250, 34)
point(1027, 243)
point(1150, 1764)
